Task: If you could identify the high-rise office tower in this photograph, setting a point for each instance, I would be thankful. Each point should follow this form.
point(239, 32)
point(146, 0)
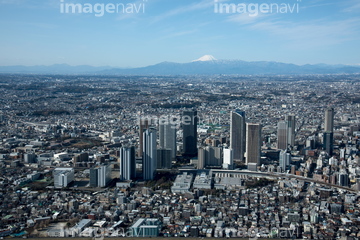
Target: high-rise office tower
point(143, 124)
point(284, 160)
point(149, 154)
point(100, 176)
point(282, 135)
point(167, 137)
point(201, 158)
point(253, 145)
point(189, 125)
point(238, 134)
point(290, 122)
point(329, 120)
point(127, 163)
point(286, 132)
point(163, 158)
point(328, 142)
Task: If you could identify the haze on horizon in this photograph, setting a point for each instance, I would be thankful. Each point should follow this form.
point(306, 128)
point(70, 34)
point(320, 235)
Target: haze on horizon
point(35, 32)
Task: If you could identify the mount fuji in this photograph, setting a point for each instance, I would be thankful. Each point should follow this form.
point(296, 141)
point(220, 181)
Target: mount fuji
point(205, 58)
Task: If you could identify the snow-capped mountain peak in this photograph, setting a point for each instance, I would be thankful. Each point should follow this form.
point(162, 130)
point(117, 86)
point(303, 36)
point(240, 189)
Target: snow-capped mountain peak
point(205, 58)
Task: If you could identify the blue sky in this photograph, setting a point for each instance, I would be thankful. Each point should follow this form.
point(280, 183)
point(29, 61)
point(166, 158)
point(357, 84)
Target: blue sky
point(35, 32)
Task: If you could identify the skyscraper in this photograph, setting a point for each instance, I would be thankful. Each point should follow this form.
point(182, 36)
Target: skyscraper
point(329, 120)
point(286, 132)
point(282, 135)
point(201, 158)
point(143, 124)
point(163, 158)
point(328, 142)
point(127, 163)
point(167, 137)
point(329, 131)
point(290, 122)
point(238, 134)
point(189, 125)
point(284, 160)
point(149, 154)
point(253, 145)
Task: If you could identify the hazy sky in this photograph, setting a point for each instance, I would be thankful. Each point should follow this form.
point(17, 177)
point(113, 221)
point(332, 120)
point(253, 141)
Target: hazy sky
point(36, 32)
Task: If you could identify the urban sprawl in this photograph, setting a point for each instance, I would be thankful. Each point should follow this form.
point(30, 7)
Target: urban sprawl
point(180, 156)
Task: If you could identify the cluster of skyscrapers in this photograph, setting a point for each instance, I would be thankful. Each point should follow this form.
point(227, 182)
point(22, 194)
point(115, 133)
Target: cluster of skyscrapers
point(245, 140)
point(161, 157)
point(245, 144)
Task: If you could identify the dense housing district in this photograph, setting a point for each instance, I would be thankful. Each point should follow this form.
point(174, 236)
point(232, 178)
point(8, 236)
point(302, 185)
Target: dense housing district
point(180, 156)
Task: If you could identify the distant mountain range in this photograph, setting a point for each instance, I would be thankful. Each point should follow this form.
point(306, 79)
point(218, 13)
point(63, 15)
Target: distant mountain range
point(206, 65)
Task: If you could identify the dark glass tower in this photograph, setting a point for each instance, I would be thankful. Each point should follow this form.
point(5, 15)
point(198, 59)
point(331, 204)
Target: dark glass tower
point(238, 134)
point(189, 125)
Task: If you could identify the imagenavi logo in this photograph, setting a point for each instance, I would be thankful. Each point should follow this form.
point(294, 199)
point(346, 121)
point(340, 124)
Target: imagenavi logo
point(100, 9)
point(253, 9)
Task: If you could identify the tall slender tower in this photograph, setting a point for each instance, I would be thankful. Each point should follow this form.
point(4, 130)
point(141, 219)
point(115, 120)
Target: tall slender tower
point(149, 154)
point(286, 132)
point(290, 122)
point(201, 158)
point(328, 140)
point(167, 137)
point(329, 120)
point(284, 160)
point(253, 145)
point(238, 134)
point(189, 125)
point(143, 124)
point(127, 163)
point(282, 135)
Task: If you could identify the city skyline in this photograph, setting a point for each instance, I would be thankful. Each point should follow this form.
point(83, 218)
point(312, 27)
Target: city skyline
point(42, 33)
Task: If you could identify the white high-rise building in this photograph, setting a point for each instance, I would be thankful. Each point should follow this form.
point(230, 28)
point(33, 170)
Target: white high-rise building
point(63, 176)
point(228, 159)
point(104, 175)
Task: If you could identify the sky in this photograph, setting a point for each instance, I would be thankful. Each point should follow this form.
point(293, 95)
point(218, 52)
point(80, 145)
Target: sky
point(41, 32)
